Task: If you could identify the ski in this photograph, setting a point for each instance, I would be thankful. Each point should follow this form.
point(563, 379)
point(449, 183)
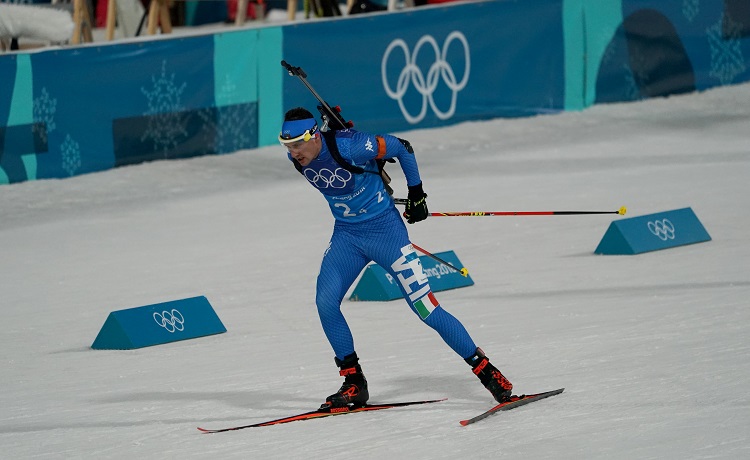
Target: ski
point(320, 413)
point(515, 401)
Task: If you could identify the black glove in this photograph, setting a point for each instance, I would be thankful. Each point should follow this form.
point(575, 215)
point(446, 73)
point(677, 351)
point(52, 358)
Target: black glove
point(416, 205)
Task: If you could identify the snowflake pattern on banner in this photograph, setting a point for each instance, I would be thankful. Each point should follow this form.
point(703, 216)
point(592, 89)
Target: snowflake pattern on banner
point(235, 124)
point(227, 92)
point(165, 123)
point(71, 155)
point(726, 53)
point(44, 108)
point(690, 9)
point(230, 128)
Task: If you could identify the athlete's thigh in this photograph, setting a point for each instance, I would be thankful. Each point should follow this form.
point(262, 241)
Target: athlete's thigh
point(392, 250)
point(342, 262)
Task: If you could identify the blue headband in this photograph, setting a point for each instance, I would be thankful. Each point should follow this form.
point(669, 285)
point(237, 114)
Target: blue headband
point(297, 130)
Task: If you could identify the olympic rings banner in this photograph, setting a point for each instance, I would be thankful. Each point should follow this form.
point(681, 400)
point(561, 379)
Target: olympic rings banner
point(652, 232)
point(435, 66)
point(79, 109)
point(158, 324)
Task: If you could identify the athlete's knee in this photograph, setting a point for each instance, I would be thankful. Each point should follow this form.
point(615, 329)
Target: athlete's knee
point(436, 318)
point(328, 303)
point(426, 307)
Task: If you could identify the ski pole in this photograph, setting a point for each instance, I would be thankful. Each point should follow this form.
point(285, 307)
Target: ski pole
point(463, 271)
point(620, 211)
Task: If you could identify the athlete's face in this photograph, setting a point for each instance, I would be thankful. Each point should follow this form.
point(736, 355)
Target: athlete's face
point(305, 151)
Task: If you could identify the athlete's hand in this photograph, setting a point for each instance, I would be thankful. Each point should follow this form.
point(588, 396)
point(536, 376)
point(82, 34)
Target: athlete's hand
point(416, 204)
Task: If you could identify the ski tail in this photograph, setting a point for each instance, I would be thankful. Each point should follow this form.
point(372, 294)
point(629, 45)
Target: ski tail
point(515, 401)
point(320, 413)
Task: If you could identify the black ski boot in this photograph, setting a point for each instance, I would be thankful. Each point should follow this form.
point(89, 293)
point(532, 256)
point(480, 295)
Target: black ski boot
point(491, 378)
point(354, 390)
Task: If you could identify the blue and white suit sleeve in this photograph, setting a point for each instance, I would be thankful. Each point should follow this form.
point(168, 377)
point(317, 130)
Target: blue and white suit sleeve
point(367, 147)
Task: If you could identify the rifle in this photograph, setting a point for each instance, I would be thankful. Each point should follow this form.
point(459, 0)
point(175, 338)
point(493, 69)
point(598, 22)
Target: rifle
point(331, 115)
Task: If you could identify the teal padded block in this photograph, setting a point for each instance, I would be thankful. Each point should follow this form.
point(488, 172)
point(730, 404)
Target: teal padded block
point(652, 232)
point(376, 284)
point(157, 324)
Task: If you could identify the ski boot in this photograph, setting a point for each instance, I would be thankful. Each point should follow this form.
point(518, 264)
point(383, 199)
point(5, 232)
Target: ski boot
point(354, 390)
point(491, 378)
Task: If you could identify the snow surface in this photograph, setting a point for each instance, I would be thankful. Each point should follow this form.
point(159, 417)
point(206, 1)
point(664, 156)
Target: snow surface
point(653, 349)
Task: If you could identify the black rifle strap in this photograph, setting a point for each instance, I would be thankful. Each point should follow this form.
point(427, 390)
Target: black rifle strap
point(330, 137)
point(333, 148)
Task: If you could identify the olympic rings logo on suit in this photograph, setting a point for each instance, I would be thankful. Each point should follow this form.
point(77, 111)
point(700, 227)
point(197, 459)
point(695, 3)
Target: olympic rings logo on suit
point(325, 178)
point(426, 86)
point(664, 229)
point(170, 320)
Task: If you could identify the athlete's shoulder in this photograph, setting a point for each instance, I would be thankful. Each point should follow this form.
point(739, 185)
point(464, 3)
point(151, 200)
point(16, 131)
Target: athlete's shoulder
point(342, 138)
point(345, 133)
point(364, 144)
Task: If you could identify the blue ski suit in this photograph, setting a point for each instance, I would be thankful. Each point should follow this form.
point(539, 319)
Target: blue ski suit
point(368, 227)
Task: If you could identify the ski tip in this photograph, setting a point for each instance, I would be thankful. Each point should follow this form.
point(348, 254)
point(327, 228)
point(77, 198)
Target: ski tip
point(464, 422)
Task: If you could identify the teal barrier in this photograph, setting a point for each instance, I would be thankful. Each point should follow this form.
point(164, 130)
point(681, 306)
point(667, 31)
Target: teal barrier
point(75, 110)
point(376, 284)
point(652, 232)
point(158, 324)
point(435, 66)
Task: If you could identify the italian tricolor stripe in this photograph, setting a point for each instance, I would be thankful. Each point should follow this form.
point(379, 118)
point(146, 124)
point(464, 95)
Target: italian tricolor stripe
point(426, 305)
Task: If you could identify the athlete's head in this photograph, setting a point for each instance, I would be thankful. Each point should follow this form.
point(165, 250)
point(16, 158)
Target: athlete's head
point(300, 135)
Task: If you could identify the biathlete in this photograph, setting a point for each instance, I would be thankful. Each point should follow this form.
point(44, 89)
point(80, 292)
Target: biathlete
point(343, 166)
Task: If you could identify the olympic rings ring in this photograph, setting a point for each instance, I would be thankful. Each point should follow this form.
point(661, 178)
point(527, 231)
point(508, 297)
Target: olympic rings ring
point(664, 229)
point(325, 178)
point(170, 320)
point(426, 86)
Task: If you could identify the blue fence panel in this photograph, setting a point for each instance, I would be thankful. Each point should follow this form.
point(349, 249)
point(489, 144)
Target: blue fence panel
point(16, 129)
point(134, 97)
point(82, 109)
point(712, 39)
point(675, 47)
point(433, 67)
